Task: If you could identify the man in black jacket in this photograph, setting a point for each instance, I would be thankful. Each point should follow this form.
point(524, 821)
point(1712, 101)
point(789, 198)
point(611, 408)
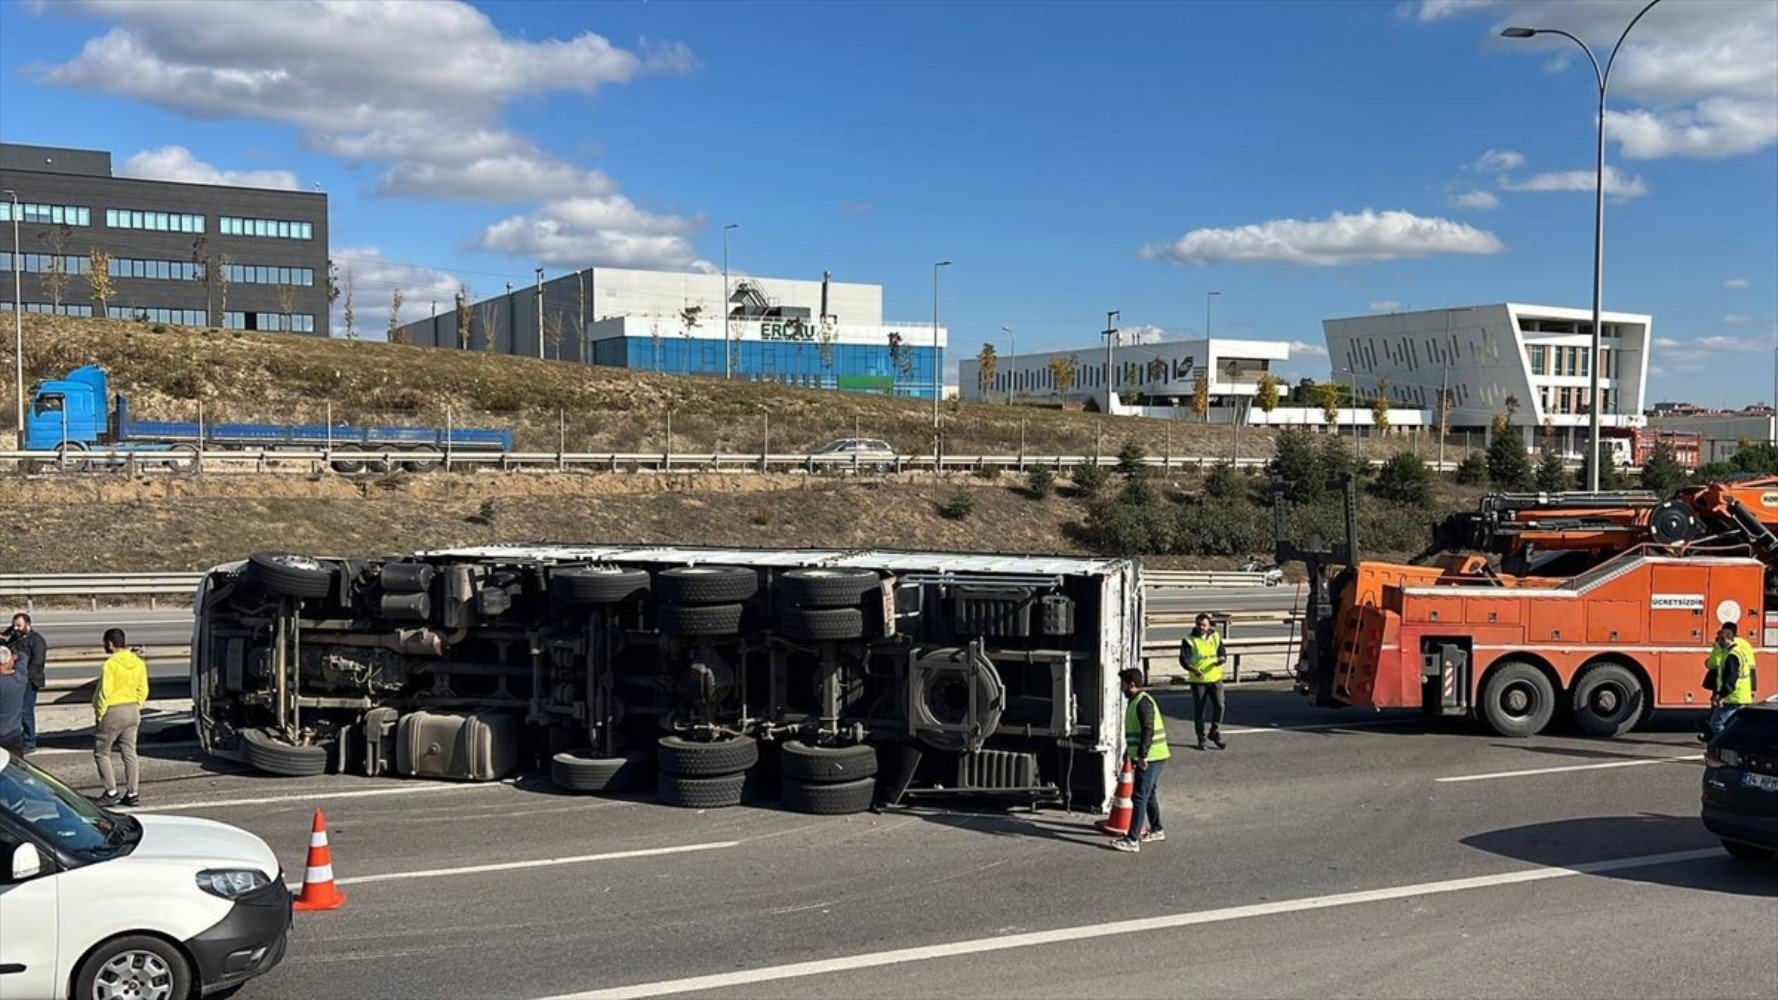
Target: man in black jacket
point(31, 650)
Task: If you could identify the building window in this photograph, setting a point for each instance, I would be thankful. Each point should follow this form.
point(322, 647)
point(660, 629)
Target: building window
point(280, 322)
point(257, 274)
point(1584, 356)
point(158, 314)
point(39, 263)
point(51, 309)
point(283, 229)
point(160, 222)
point(55, 215)
point(163, 270)
point(1537, 359)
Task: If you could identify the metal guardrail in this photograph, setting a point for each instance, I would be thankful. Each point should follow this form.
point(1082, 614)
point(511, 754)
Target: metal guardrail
point(31, 586)
point(1162, 579)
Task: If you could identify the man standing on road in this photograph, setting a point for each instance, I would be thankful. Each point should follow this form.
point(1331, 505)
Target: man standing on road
point(1729, 677)
point(117, 708)
point(1145, 746)
point(1202, 656)
point(13, 685)
point(32, 652)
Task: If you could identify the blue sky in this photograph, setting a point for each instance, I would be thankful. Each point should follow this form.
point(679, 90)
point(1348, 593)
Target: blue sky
point(1304, 160)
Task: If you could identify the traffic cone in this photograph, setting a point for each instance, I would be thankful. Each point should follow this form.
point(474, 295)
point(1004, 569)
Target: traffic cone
point(1118, 823)
point(319, 892)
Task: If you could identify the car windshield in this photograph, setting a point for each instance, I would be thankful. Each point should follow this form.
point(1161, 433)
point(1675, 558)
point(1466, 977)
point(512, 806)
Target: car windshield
point(61, 816)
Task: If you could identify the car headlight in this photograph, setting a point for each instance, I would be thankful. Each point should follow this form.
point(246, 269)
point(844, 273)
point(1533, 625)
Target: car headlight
point(232, 883)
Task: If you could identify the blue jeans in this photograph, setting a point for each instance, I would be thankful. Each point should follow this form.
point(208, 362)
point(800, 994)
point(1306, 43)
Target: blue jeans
point(1719, 717)
point(30, 718)
point(1145, 800)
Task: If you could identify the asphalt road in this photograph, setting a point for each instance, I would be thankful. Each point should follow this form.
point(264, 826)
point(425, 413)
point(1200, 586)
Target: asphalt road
point(1322, 854)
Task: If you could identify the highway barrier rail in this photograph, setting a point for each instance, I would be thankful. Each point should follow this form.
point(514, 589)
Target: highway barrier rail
point(72, 674)
point(1162, 579)
point(31, 586)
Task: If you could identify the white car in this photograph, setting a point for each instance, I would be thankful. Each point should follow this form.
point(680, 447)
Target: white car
point(99, 905)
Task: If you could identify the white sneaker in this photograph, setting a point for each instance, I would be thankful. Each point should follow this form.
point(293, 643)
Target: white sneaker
point(1126, 845)
point(1153, 836)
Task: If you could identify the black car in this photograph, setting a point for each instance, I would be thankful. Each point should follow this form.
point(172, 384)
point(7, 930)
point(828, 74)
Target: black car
point(1741, 783)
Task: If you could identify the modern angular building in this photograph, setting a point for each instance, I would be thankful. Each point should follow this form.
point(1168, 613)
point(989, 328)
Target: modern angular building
point(186, 254)
point(1144, 377)
point(820, 334)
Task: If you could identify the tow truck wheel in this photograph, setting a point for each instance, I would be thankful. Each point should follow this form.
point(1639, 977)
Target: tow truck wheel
point(1608, 701)
point(290, 575)
point(1518, 700)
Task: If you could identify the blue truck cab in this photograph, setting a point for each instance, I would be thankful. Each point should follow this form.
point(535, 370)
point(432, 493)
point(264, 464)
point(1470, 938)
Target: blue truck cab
point(71, 409)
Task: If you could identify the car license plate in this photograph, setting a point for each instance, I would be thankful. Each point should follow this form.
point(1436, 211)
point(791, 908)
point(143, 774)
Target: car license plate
point(1763, 782)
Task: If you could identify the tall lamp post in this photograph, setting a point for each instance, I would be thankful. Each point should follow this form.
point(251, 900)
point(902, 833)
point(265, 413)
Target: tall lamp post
point(938, 371)
point(1111, 318)
point(1012, 347)
point(1208, 296)
point(1602, 77)
point(728, 354)
point(18, 324)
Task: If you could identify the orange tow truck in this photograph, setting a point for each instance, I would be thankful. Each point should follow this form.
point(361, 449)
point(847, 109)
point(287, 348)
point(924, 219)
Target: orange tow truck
point(1602, 605)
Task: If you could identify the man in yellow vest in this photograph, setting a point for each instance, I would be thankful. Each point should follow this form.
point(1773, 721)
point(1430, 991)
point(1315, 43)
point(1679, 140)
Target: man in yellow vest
point(1202, 656)
point(1729, 676)
point(1145, 747)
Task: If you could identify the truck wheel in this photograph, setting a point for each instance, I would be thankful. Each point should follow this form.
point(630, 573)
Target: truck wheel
point(1518, 700)
point(704, 793)
point(706, 584)
point(577, 770)
point(827, 586)
point(135, 965)
point(272, 755)
point(290, 575)
point(344, 467)
point(589, 585)
point(827, 765)
point(829, 799)
point(1747, 852)
point(822, 623)
point(421, 466)
point(71, 457)
point(695, 620)
point(182, 459)
point(1608, 701)
point(702, 759)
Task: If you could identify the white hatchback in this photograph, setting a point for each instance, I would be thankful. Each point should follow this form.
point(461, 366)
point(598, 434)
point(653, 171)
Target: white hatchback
point(100, 905)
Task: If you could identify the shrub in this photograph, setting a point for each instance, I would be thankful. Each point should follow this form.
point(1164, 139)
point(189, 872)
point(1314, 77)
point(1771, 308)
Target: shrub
point(988, 472)
point(1130, 459)
point(1089, 478)
point(1131, 529)
point(1551, 475)
point(1713, 470)
point(1294, 462)
point(1404, 479)
point(1214, 528)
point(1508, 467)
point(957, 506)
point(1041, 481)
point(1224, 483)
point(1473, 470)
point(1755, 457)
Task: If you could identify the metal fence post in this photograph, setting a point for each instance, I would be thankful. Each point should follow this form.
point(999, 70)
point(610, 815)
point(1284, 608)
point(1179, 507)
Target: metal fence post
point(667, 463)
point(765, 444)
point(201, 436)
point(1021, 444)
point(561, 439)
point(449, 434)
point(327, 451)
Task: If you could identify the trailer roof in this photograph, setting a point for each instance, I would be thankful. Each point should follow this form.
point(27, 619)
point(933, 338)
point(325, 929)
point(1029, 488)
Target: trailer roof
point(884, 559)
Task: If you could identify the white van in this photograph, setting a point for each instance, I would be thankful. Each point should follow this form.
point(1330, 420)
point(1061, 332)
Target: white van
point(100, 905)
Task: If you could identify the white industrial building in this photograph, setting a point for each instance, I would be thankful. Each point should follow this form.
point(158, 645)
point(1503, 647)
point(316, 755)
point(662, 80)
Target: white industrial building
point(1720, 435)
point(1144, 377)
point(1536, 358)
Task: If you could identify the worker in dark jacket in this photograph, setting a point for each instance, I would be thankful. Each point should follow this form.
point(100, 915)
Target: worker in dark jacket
point(1728, 677)
point(31, 651)
point(1145, 747)
point(12, 702)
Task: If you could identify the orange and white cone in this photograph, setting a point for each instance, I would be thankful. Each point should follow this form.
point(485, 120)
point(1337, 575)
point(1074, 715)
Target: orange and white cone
point(319, 892)
point(1118, 823)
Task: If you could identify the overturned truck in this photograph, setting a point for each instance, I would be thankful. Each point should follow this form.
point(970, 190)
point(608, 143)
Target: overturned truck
point(837, 679)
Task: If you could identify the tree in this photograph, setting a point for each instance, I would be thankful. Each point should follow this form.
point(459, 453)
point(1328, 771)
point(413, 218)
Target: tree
point(1751, 456)
point(901, 359)
point(1201, 396)
point(1224, 483)
point(333, 284)
point(465, 320)
point(987, 369)
point(1266, 398)
point(1088, 477)
point(1508, 467)
point(1473, 470)
point(1512, 407)
point(222, 266)
point(1551, 475)
point(1132, 459)
point(1040, 480)
point(1295, 464)
point(1444, 414)
point(98, 275)
point(346, 310)
point(1662, 473)
point(56, 276)
point(1380, 407)
point(287, 299)
point(1327, 396)
point(204, 273)
point(396, 335)
point(1063, 369)
point(553, 331)
point(825, 335)
point(490, 317)
point(1404, 479)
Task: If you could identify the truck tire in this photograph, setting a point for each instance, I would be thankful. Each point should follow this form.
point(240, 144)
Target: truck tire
point(699, 620)
point(139, 957)
point(818, 765)
point(821, 623)
point(345, 467)
point(268, 753)
point(704, 793)
point(290, 575)
point(182, 460)
point(706, 584)
point(827, 586)
point(833, 799)
point(420, 466)
point(1518, 700)
point(578, 771)
point(71, 457)
point(593, 585)
point(704, 759)
point(1608, 701)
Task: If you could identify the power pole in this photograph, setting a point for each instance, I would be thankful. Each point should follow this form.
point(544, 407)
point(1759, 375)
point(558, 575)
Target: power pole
point(540, 314)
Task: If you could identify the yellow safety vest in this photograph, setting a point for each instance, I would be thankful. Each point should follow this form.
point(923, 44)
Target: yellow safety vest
point(1742, 693)
point(1157, 745)
point(1206, 658)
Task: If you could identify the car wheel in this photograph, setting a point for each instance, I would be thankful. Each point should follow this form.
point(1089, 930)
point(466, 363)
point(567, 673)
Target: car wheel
point(134, 967)
point(1747, 852)
point(1518, 700)
point(697, 759)
point(835, 799)
point(821, 623)
point(827, 765)
point(1608, 701)
point(699, 620)
point(289, 575)
point(706, 584)
point(704, 793)
point(577, 771)
point(590, 585)
point(827, 586)
point(271, 754)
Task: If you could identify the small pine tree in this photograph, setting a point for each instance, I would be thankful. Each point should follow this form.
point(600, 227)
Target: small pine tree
point(1131, 459)
point(1224, 483)
point(1551, 475)
point(957, 506)
point(1089, 478)
point(1508, 467)
point(1473, 470)
point(1404, 479)
point(1041, 481)
point(1662, 473)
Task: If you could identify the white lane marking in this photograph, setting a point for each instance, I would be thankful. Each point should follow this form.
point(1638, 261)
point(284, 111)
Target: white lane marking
point(415, 789)
point(871, 960)
point(1640, 762)
point(506, 866)
point(1327, 726)
point(142, 749)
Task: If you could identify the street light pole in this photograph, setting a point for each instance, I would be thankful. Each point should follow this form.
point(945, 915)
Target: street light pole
point(1207, 297)
point(1012, 346)
point(938, 371)
point(1352, 383)
point(1111, 318)
point(728, 356)
point(1603, 78)
point(18, 323)
point(540, 314)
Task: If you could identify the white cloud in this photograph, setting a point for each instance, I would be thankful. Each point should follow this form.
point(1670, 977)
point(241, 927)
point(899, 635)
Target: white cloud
point(1497, 161)
point(1141, 333)
point(176, 163)
point(1306, 349)
point(1384, 306)
point(1476, 200)
point(1717, 126)
point(1729, 345)
point(1343, 238)
point(374, 280)
point(1739, 319)
point(576, 232)
point(1617, 184)
point(1736, 284)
